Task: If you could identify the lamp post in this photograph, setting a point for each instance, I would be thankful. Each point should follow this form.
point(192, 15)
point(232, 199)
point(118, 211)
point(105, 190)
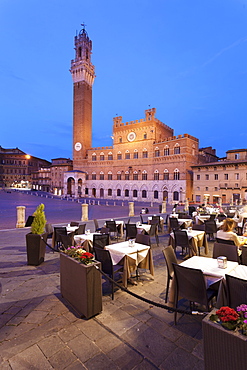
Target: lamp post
point(27, 156)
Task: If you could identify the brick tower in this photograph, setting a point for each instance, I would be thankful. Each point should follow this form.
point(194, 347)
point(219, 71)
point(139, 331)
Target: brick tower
point(82, 71)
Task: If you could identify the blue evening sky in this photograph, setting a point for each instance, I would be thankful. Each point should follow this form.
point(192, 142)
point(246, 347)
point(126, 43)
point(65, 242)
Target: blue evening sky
point(186, 58)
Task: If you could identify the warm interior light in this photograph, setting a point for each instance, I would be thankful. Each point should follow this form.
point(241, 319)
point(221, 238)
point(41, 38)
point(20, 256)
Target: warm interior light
point(27, 156)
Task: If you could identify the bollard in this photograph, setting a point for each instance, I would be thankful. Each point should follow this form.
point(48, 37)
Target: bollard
point(106, 203)
point(163, 209)
point(84, 216)
point(151, 204)
point(122, 204)
point(20, 216)
point(114, 203)
point(131, 209)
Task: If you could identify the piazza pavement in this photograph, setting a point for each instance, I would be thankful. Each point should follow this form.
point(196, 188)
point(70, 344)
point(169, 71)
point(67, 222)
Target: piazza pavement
point(38, 328)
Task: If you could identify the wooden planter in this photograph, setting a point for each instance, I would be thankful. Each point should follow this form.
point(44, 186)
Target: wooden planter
point(35, 248)
point(81, 286)
point(223, 349)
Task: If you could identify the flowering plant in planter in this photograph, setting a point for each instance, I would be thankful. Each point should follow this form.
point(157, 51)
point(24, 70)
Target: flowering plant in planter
point(232, 319)
point(80, 255)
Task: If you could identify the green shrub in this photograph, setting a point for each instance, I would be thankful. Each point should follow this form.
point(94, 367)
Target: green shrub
point(38, 224)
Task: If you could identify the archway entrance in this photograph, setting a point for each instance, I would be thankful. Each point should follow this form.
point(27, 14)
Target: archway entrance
point(71, 186)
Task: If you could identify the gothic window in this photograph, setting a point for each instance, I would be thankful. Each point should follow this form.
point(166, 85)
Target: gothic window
point(101, 175)
point(93, 176)
point(144, 175)
point(110, 156)
point(166, 151)
point(135, 154)
point(126, 192)
point(156, 194)
point(127, 154)
point(177, 149)
point(109, 192)
point(127, 176)
point(145, 153)
point(156, 175)
point(156, 152)
point(87, 177)
point(166, 175)
point(175, 195)
point(135, 193)
point(118, 192)
point(145, 136)
point(135, 176)
point(102, 156)
point(120, 139)
point(119, 155)
point(109, 175)
point(94, 157)
point(144, 193)
point(119, 175)
point(176, 174)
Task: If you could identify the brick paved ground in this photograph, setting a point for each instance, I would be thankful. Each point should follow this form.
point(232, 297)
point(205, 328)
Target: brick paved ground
point(38, 330)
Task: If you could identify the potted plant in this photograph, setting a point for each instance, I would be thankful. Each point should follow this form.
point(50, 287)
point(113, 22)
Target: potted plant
point(80, 281)
point(225, 338)
point(35, 241)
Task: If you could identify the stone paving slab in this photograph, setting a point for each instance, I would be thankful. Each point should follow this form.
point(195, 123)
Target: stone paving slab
point(39, 330)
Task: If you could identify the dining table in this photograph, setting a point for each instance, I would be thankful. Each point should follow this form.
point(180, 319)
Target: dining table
point(182, 222)
point(131, 256)
point(214, 275)
point(142, 227)
point(85, 240)
point(197, 239)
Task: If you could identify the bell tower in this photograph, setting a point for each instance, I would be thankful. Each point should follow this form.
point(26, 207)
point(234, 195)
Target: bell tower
point(82, 71)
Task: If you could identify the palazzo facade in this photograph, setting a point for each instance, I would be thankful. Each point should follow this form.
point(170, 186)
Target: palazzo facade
point(146, 161)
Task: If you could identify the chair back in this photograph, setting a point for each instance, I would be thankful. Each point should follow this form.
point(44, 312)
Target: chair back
point(101, 240)
point(49, 230)
point(96, 225)
point(131, 231)
point(182, 215)
point(227, 250)
point(111, 225)
point(225, 241)
point(174, 225)
point(212, 217)
point(221, 217)
point(104, 230)
point(181, 238)
point(67, 240)
point(59, 231)
point(198, 227)
point(170, 258)
point(237, 291)
point(244, 255)
point(210, 227)
point(143, 239)
point(157, 218)
point(81, 229)
point(104, 256)
point(191, 210)
point(191, 284)
point(74, 223)
point(153, 231)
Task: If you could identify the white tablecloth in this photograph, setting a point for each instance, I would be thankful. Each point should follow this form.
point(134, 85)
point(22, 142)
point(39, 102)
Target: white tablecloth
point(71, 229)
point(142, 227)
point(197, 239)
point(131, 257)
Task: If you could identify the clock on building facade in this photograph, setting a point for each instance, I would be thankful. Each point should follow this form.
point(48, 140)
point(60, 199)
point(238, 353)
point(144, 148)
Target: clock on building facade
point(131, 136)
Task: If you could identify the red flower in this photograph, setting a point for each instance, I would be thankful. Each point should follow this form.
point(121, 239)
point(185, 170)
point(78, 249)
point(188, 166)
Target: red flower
point(226, 314)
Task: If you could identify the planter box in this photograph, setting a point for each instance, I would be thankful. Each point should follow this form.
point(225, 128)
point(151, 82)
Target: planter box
point(223, 349)
point(35, 248)
point(81, 286)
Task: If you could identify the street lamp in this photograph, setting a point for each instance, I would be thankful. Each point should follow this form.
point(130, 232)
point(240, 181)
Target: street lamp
point(27, 156)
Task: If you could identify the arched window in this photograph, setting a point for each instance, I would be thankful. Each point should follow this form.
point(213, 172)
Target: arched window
point(144, 193)
point(126, 192)
point(101, 175)
point(109, 192)
point(134, 193)
point(145, 136)
point(109, 175)
point(119, 155)
point(156, 194)
point(177, 149)
point(156, 152)
point(127, 175)
point(93, 175)
point(87, 177)
point(144, 175)
point(127, 154)
point(135, 175)
point(120, 139)
point(135, 154)
point(166, 150)
point(94, 157)
point(119, 176)
point(156, 175)
point(175, 195)
point(144, 153)
point(118, 192)
point(102, 156)
point(166, 175)
point(176, 174)
point(110, 156)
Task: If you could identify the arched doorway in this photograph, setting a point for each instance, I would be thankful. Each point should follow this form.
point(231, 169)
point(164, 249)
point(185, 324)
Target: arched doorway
point(71, 186)
point(79, 188)
point(101, 193)
point(165, 195)
point(93, 192)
